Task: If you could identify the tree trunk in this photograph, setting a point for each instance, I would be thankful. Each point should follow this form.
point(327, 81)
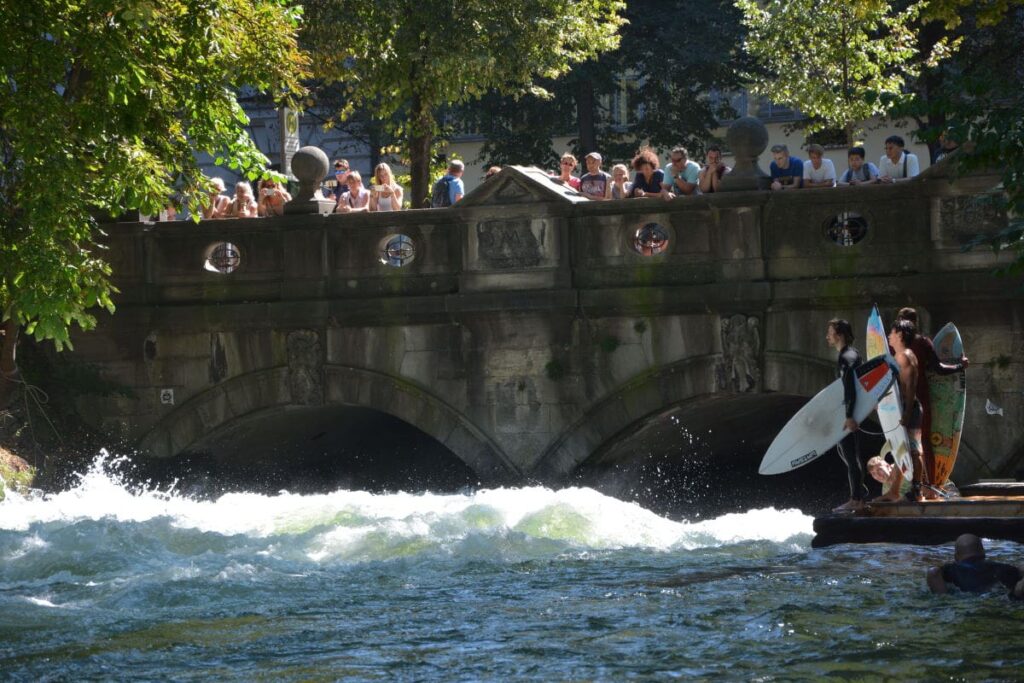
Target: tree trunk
point(373, 131)
point(8, 366)
point(419, 168)
point(585, 116)
point(420, 137)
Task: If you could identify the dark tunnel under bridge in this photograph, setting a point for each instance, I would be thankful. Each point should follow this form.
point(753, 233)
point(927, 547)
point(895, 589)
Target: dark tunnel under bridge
point(692, 460)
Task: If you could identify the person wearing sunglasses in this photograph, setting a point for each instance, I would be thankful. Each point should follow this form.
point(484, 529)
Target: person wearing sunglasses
point(567, 166)
point(340, 186)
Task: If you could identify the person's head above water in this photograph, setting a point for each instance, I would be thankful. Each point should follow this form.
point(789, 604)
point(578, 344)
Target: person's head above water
point(968, 547)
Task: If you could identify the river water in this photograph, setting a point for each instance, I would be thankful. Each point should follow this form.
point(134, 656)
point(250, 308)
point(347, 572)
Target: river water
point(108, 582)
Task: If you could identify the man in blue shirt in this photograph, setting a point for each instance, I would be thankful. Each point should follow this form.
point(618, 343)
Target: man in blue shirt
point(681, 174)
point(449, 189)
point(787, 172)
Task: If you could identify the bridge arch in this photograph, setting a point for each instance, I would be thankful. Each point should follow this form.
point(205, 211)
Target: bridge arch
point(260, 392)
point(653, 393)
point(676, 442)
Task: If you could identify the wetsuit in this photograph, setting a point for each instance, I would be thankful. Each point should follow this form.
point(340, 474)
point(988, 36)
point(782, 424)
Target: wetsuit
point(977, 576)
point(849, 447)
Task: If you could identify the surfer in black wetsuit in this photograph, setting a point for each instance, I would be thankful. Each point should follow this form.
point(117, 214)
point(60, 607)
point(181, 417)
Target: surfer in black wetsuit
point(840, 336)
point(972, 573)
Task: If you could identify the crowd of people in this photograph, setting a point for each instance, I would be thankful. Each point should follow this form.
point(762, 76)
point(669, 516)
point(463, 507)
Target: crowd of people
point(791, 173)
point(683, 176)
point(269, 200)
point(680, 177)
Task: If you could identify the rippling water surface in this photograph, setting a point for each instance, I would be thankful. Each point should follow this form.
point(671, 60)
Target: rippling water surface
point(106, 582)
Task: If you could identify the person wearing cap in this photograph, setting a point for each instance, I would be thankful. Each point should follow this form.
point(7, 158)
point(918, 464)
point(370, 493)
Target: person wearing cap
point(681, 175)
point(972, 573)
point(341, 169)
point(595, 183)
point(219, 203)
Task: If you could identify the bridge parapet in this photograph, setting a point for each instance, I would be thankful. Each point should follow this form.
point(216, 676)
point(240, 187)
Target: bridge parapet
point(522, 241)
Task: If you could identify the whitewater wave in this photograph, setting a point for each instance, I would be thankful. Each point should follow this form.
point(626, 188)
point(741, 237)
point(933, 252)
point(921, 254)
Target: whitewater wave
point(357, 526)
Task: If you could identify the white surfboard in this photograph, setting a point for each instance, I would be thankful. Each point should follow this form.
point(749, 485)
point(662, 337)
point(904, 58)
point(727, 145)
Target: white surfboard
point(818, 426)
point(890, 406)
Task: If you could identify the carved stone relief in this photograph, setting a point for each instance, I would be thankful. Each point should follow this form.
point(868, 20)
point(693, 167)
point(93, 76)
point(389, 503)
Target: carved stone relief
point(512, 193)
point(973, 215)
point(510, 243)
point(305, 367)
point(740, 368)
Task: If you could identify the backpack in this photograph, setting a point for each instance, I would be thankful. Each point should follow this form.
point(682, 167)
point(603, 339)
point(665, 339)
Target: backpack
point(441, 195)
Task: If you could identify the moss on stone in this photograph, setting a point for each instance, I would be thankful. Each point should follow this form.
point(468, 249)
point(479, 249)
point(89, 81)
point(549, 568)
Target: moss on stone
point(15, 473)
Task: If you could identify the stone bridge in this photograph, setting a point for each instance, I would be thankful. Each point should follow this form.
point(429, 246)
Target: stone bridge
point(533, 334)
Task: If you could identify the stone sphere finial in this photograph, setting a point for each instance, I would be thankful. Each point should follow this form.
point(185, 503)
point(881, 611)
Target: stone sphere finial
point(747, 138)
point(309, 164)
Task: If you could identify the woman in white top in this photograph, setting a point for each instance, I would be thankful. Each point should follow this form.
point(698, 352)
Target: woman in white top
point(386, 194)
point(357, 198)
point(243, 205)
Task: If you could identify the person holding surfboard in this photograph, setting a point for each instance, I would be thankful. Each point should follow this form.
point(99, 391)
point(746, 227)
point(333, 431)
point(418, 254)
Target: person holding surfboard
point(924, 351)
point(901, 336)
point(840, 337)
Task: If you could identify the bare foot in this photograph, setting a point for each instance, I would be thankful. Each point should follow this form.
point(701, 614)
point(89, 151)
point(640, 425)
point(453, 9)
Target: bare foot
point(849, 506)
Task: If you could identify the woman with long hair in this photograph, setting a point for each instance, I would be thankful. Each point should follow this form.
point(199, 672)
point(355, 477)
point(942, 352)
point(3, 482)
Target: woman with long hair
point(385, 193)
point(272, 198)
point(243, 205)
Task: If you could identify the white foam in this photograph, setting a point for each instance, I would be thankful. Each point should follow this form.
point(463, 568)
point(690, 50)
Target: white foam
point(357, 525)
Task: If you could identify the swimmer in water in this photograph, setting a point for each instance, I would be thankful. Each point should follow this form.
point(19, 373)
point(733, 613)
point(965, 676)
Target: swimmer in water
point(972, 573)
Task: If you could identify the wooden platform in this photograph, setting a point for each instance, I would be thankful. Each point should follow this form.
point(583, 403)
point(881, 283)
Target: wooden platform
point(928, 523)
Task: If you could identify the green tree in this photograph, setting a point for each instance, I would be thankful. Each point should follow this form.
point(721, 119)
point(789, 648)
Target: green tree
point(104, 103)
point(675, 59)
point(975, 97)
point(840, 62)
point(404, 60)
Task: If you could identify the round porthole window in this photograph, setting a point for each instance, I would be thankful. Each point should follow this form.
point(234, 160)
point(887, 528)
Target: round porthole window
point(846, 229)
point(222, 257)
point(397, 251)
point(651, 239)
